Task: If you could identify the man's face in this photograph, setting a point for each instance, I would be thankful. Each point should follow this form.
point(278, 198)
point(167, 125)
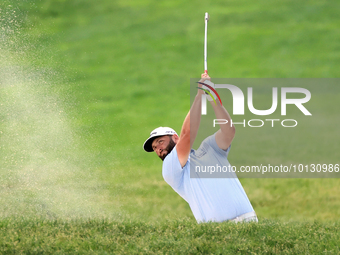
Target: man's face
point(163, 146)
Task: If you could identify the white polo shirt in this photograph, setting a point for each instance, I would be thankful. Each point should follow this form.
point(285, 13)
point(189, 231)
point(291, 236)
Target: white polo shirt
point(210, 199)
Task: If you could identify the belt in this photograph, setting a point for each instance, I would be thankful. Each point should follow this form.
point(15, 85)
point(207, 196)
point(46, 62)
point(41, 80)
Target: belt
point(251, 216)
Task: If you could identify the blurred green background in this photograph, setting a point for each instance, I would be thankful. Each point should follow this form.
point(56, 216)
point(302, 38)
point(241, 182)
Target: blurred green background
point(122, 68)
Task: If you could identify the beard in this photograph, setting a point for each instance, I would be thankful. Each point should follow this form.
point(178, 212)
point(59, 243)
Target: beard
point(168, 149)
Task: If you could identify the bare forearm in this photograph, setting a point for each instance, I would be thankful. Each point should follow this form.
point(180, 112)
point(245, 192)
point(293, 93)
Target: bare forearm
point(195, 118)
point(190, 126)
point(222, 113)
point(226, 133)
point(189, 131)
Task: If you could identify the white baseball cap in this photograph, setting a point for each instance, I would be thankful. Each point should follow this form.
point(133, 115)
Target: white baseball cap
point(160, 131)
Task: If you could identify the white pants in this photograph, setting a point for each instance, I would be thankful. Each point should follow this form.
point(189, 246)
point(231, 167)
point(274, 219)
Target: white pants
point(247, 217)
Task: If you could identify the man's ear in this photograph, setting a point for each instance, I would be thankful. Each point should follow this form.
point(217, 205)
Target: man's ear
point(175, 138)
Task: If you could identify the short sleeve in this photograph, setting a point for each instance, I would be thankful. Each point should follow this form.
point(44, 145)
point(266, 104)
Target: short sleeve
point(210, 141)
point(172, 170)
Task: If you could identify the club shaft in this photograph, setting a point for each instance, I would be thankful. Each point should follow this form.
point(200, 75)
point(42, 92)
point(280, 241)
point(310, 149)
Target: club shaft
point(205, 43)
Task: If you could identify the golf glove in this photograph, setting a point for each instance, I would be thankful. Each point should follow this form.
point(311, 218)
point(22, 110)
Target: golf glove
point(212, 93)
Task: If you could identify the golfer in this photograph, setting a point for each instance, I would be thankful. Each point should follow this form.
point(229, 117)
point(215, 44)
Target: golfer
point(210, 199)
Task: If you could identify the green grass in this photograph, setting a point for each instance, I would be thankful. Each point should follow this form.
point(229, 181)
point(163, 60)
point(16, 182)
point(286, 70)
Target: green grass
point(83, 83)
point(175, 237)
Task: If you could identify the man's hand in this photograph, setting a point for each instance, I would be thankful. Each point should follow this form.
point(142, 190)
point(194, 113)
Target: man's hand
point(204, 77)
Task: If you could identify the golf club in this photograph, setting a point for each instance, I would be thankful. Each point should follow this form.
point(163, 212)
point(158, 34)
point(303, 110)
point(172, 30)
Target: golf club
point(206, 19)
